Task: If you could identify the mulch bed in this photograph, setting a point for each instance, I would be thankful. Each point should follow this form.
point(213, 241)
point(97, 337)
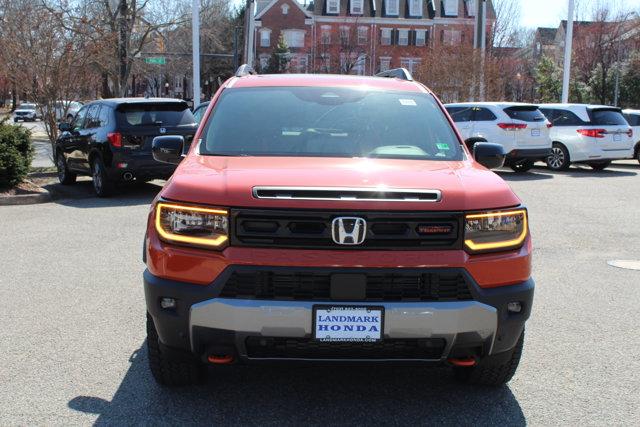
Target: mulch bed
point(30, 186)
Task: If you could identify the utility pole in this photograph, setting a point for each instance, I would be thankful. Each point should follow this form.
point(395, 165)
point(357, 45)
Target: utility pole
point(196, 52)
point(249, 33)
point(567, 54)
point(480, 40)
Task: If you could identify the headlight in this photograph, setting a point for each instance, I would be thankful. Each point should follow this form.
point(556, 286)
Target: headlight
point(493, 231)
point(192, 225)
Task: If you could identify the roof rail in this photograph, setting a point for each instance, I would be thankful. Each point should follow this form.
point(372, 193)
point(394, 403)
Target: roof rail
point(398, 73)
point(245, 70)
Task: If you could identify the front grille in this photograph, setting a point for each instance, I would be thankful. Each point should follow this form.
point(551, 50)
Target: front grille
point(316, 286)
point(307, 348)
point(313, 230)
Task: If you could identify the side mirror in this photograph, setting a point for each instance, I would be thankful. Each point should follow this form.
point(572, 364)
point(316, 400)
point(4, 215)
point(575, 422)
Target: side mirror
point(489, 155)
point(168, 149)
point(64, 127)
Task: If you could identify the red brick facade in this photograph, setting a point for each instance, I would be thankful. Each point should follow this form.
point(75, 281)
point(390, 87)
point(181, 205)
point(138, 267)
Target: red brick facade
point(379, 34)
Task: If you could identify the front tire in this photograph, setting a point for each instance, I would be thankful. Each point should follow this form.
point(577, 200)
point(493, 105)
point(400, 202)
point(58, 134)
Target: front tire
point(637, 156)
point(600, 166)
point(495, 370)
point(171, 370)
point(65, 176)
point(559, 159)
point(521, 166)
point(101, 183)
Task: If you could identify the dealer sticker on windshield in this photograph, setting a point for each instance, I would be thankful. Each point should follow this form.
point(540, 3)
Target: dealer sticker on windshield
point(348, 324)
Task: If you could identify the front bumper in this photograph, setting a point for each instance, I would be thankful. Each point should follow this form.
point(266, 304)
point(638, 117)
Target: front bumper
point(204, 323)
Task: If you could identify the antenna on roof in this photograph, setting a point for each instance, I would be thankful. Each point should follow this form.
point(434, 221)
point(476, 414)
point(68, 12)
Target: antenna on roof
point(397, 73)
point(245, 70)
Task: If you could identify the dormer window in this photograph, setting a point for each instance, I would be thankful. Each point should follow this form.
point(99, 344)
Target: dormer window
point(391, 7)
point(356, 7)
point(285, 9)
point(333, 6)
point(415, 8)
point(451, 7)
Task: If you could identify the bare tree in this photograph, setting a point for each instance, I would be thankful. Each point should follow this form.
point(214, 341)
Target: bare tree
point(506, 29)
point(44, 62)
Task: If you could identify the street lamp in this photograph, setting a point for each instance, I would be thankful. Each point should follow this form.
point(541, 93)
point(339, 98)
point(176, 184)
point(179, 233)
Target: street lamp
point(166, 89)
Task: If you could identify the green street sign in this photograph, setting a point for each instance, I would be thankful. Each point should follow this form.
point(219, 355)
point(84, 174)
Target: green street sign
point(159, 60)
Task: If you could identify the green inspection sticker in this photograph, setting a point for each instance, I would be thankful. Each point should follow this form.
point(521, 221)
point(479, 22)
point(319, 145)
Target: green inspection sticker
point(442, 146)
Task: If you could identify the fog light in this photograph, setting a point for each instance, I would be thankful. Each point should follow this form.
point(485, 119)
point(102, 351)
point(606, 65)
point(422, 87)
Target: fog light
point(514, 307)
point(167, 303)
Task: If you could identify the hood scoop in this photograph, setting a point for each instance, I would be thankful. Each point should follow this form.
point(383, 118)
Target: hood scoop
point(347, 194)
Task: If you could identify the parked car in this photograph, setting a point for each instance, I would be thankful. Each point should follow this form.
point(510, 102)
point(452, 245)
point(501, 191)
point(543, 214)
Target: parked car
point(66, 110)
point(589, 134)
point(338, 224)
point(520, 128)
point(198, 113)
point(111, 140)
point(27, 112)
point(633, 118)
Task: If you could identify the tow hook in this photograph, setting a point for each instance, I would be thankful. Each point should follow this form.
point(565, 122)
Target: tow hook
point(220, 360)
point(463, 362)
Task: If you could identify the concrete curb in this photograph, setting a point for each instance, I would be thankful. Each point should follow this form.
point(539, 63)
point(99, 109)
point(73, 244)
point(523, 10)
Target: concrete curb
point(26, 199)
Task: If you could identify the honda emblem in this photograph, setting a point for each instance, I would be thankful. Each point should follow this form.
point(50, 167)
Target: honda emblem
point(348, 230)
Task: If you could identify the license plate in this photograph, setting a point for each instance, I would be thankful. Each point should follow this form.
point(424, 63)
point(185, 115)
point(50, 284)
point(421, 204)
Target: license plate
point(535, 132)
point(348, 324)
point(617, 137)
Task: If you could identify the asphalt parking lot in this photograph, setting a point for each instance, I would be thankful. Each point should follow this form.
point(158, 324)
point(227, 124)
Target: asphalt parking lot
point(73, 338)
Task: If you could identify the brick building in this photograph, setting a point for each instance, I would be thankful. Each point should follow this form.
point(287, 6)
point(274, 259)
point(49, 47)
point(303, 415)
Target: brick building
point(361, 36)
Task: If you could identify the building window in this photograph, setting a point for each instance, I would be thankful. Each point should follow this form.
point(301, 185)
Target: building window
point(285, 9)
point(403, 37)
point(359, 65)
point(333, 6)
point(325, 37)
point(385, 63)
point(264, 62)
point(265, 37)
point(344, 36)
point(410, 64)
point(303, 62)
point(386, 37)
point(471, 7)
point(421, 37)
point(415, 8)
point(451, 7)
point(391, 7)
point(294, 38)
point(363, 35)
point(356, 7)
point(452, 37)
point(325, 59)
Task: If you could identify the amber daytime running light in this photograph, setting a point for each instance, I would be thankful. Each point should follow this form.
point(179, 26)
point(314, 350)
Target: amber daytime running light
point(493, 231)
point(192, 225)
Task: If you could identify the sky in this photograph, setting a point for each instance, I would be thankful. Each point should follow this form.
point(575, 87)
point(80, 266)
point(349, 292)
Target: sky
point(549, 13)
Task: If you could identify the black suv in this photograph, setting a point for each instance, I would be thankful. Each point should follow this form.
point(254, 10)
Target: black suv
point(110, 140)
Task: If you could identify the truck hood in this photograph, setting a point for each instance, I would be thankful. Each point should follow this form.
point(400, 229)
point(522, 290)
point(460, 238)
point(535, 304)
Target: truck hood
point(229, 182)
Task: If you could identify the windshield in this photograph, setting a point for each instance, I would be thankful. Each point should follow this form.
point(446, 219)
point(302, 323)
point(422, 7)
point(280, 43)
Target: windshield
point(329, 122)
point(155, 114)
point(27, 106)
